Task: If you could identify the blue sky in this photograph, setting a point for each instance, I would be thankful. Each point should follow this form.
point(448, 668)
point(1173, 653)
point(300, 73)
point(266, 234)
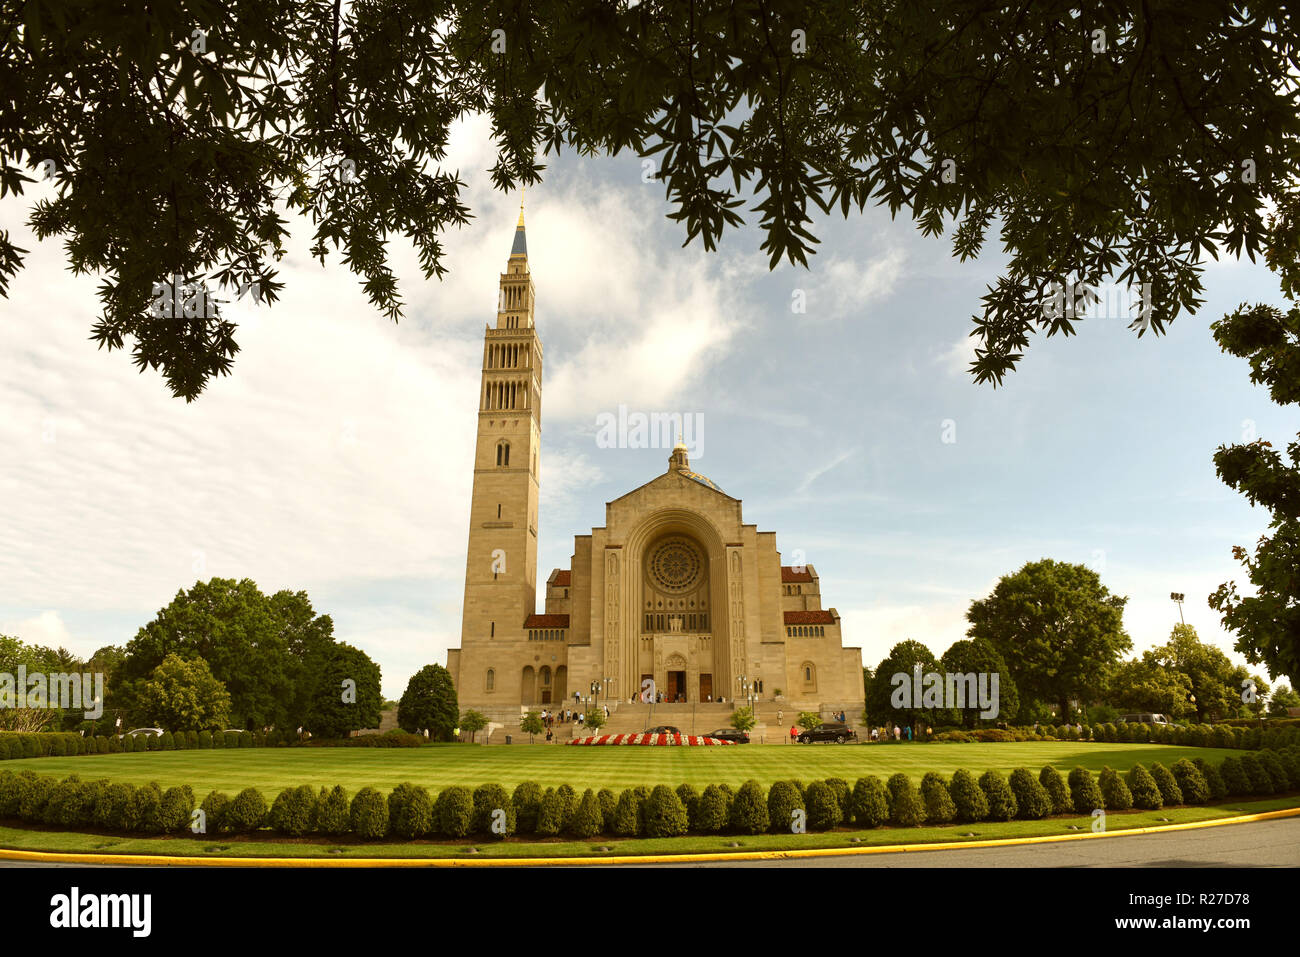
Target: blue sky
point(337, 458)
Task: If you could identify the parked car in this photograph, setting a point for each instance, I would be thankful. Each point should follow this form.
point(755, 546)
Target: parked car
point(1144, 719)
point(151, 732)
point(730, 734)
point(664, 729)
point(839, 733)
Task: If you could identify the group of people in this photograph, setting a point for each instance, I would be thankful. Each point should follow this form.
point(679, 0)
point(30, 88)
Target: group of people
point(922, 733)
point(565, 716)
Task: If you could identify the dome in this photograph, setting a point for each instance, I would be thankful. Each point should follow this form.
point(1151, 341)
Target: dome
point(702, 479)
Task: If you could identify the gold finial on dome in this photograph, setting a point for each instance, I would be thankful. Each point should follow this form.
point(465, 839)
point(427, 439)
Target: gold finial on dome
point(522, 190)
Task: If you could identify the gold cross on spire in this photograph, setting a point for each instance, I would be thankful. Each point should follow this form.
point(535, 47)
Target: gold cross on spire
point(522, 190)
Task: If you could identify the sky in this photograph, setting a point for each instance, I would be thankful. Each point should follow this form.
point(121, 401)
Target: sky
point(834, 401)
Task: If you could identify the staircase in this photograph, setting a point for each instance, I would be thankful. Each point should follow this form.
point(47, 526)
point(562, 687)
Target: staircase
point(692, 717)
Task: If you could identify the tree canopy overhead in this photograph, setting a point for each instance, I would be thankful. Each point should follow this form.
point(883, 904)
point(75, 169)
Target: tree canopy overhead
point(1123, 142)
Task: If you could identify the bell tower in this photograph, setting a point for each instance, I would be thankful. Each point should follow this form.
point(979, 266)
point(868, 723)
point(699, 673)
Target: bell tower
point(501, 565)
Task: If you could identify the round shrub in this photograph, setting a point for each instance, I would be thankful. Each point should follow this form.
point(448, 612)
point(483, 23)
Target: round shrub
point(177, 810)
point(143, 810)
point(1144, 789)
point(204, 740)
point(333, 811)
point(749, 809)
point(1114, 791)
point(783, 800)
point(368, 816)
point(711, 814)
point(1191, 784)
point(70, 804)
point(1234, 777)
point(968, 797)
point(488, 799)
point(1215, 788)
point(608, 803)
point(527, 801)
point(690, 799)
point(454, 811)
point(1170, 793)
point(627, 816)
point(568, 799)
point(110, 806)
point(665, 815)
point(33, 797)
point(870, 802)
point(5, 753)
point(1274, 769)
point(588, 819)
point(1054, 785)
point(191, 740)
point(1032, 800)
point(550, 818)
point(843, 794)
point(824, 810)
point(9, 794)
point(1085, 796)
point(1291, 765)
point(214, 811)
point(410, 811)
point(166, 742)
point(1002, 801)
point(1223, 736)
point(905, 807)
point(293, 811)
point(939, 808)
point(246, 812)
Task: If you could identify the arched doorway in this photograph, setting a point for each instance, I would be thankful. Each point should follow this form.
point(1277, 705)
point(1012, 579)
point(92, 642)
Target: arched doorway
point(528, 687)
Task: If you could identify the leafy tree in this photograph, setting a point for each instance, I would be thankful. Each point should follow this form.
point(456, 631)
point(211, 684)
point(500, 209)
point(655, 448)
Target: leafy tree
point(347, 695)
point(1281, 699)
point(265, 650)
point(13, 654)
point(1143, 685)
point(429, 704)
point(742, 719)
point(1267, 623)
point(809, 720)
point(976, 656)
point(532, 724)
point(473, 722)
point(1058, 628)
point(182, 695)
point(1215, 681)
point(593, 719)
point(902, 659)
point(1072, 131)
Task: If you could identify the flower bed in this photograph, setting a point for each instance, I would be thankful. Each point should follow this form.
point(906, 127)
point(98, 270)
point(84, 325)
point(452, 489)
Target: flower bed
point(684, 740)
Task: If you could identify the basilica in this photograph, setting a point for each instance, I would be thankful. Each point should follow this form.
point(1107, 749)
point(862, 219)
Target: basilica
point(675, 595)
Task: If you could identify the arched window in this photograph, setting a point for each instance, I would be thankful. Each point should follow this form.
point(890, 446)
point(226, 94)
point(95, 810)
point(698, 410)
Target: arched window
point(809, 675)
point(491, 680)
point(503, 454)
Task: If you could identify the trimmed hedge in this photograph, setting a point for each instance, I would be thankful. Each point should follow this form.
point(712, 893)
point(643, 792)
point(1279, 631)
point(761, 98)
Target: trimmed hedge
point(410, 812)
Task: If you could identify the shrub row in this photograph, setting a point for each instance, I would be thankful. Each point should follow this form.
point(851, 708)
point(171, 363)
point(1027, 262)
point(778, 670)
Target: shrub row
point(60, 743)
point(412, 812)
point(1248, 737)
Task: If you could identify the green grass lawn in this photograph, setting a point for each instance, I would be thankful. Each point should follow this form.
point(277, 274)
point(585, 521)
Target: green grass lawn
point(437, 766)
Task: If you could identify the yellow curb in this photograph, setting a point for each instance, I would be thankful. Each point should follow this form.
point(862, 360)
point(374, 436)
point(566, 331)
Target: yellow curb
point(159, 860)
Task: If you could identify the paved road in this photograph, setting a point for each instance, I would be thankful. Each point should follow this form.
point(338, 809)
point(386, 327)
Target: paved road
point(1257, 844)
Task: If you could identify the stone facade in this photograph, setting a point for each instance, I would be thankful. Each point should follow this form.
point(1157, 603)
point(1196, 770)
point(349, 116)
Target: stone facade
point(674, 589)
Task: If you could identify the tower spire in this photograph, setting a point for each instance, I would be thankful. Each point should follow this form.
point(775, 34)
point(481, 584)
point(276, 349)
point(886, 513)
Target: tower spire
point(520, 247)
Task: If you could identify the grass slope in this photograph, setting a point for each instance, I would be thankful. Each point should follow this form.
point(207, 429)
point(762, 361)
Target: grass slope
point(437, 766)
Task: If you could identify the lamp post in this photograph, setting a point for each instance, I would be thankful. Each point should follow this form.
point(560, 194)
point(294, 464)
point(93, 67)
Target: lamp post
point(1178, 597)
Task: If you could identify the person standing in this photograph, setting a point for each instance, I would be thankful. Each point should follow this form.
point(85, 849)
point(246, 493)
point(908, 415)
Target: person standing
point(778, 716)
point(794, 735)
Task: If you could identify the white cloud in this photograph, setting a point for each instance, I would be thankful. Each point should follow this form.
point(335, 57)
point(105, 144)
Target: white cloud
point(842, 287)
point(47, 629)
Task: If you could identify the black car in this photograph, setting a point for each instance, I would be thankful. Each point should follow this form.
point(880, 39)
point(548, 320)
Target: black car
point(664, 729)
point(839, 733)
point(730, 734)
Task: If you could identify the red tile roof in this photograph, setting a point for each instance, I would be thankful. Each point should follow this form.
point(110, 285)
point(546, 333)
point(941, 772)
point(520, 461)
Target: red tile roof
point(788, 574)
point(563, 576)
point(809, 618)
point(546, 621)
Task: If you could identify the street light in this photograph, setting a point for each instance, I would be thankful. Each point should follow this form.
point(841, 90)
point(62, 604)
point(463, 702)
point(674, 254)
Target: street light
point(1178, 597)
